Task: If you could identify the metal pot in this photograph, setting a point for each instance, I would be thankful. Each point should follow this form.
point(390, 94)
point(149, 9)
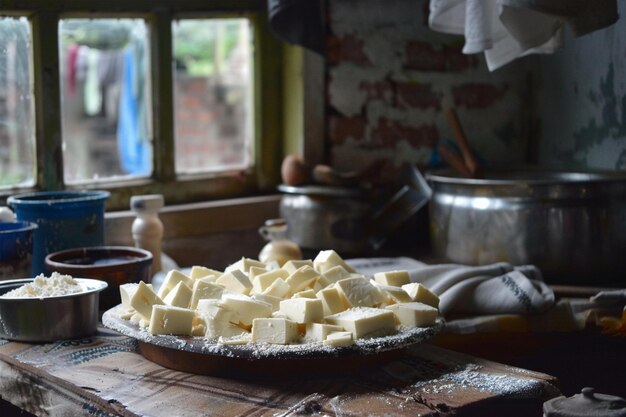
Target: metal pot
point(572, 225)
point(324, 217)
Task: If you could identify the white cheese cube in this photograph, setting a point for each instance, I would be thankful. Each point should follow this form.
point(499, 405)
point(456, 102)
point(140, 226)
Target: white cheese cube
point(270, 299)
point(295, 264)
point(219, 321)
point(279, 288)
point(171, 320)
point(336, 273)
point(365, 321)
point(360, 292)
point(261, 282)
point(332, 301)
point(317, 332)
point(303, 278)
point(303, 310)
point(305, 294)
point(172, 278)
point(235, 281)
point(339, 339)
point(126, 293)
point(143, 299)
point(255, 271)
point(414, 314)
point(274, 330)
point(393, 294)
point(393, 278)
point(245, 309)
point(205, 289)
point(326, 259)
point(244, 265)
point(421, 294)
point(198, 271)
point(321, 283)
point(179, 296)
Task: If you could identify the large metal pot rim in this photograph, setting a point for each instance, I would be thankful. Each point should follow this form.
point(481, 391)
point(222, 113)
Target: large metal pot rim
point(322, 190)
point(527, 177)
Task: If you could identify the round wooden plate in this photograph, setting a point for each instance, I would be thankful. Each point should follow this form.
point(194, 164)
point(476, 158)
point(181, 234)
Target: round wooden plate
point(203, 356)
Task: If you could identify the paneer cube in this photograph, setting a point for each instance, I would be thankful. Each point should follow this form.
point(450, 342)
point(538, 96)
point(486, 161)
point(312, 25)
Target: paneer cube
point(305, 294)
point(317, 332)
point(261, 282)
point(331, 301)
point(219, 321)
point(235, 281)
point(244, 265)
point(278, 288)
point(302, 278)
point(393, 278)
point(420, 293)
point(414, 314)
point(274, 330)
point(143, 299)
point(171, 279)
point(303, 310)
point(245, 309)
point(393, 294)
point(336, 273)
point(326, 259)
point(339, 339)
point(360, 292)
point(365, 321)
point(171, 320)
point(204, 289)
point(198, 272)
point(179, 296)
point(295, 264)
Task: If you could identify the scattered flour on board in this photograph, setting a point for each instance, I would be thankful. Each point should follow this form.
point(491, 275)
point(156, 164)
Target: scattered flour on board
point(53, 286)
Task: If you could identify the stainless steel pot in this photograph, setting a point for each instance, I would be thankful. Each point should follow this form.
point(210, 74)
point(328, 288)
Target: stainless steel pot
point(324, 217)
point(46, 319)
point(572, 225)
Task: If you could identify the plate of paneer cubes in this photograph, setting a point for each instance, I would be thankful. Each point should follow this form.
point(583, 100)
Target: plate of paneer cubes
point(317, 314)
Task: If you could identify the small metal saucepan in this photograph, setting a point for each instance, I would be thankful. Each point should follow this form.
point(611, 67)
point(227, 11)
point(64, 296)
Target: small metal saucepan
point(572, 225)
point(46, 319)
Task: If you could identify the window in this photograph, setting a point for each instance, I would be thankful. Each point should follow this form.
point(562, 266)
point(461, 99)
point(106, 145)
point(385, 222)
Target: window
point(157, 96)
point(17, 133)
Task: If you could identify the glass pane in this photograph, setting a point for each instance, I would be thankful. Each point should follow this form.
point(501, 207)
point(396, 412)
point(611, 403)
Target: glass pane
point(213, 95)
point(105, 99)
point(17, 124)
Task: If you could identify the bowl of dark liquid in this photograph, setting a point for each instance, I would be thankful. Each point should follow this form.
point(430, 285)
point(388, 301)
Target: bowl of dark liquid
point(116, 265)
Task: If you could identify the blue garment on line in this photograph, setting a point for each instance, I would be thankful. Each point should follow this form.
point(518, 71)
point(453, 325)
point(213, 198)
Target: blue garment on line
point(132, 133)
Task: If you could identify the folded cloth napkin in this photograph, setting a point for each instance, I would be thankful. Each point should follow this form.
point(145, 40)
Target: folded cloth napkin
point(507, 29)
point(498, 288)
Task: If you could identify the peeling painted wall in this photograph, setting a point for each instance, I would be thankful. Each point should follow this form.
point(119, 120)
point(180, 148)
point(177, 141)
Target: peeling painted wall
point(390, 77)
point(580, 95)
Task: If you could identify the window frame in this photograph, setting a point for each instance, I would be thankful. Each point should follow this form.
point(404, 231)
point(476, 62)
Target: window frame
point(44, 16)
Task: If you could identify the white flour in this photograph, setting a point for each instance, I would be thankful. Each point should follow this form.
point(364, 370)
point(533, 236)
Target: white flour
point(54, 286)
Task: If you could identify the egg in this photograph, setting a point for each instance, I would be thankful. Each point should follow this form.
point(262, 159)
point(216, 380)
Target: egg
point(295, 171)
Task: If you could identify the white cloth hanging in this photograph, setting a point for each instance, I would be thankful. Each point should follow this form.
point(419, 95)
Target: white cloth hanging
point(507, 29)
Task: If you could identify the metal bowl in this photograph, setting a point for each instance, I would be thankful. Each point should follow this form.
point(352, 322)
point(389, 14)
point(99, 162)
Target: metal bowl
point(570, 224)
point(46, 319)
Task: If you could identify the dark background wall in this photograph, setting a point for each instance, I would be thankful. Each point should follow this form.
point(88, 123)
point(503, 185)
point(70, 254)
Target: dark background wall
point(389, 78)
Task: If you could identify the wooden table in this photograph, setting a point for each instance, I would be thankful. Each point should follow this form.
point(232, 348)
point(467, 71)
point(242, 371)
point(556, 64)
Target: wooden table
point(105, 375)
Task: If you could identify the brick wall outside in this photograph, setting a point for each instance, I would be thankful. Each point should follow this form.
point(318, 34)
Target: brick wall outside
point(208, 124)
point(390, 77)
